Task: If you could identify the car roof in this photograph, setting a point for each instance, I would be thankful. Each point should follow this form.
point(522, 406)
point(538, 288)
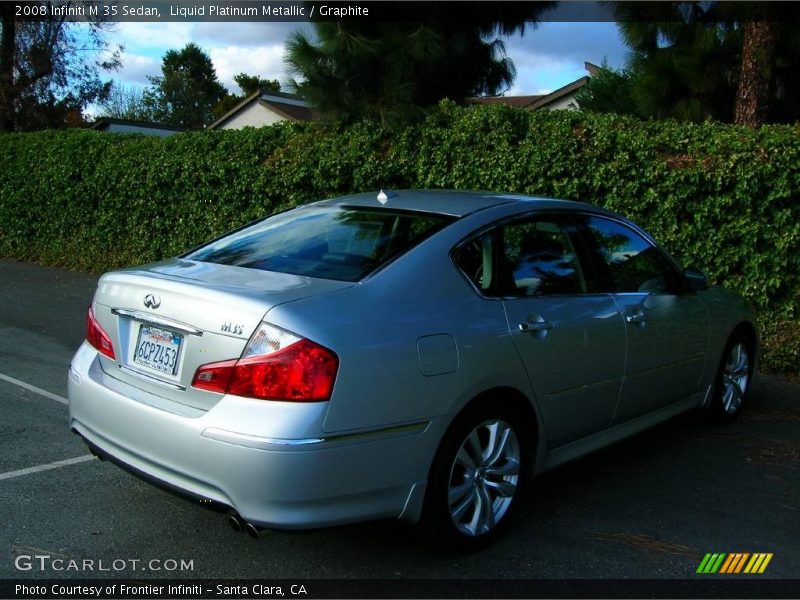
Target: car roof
point(447, 202)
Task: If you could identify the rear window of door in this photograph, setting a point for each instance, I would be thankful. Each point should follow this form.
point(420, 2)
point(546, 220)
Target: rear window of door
point(540, 258)
point(543, 255)
point(633, 264)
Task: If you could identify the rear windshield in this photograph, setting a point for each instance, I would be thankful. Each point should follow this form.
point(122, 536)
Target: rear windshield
point(329, 242)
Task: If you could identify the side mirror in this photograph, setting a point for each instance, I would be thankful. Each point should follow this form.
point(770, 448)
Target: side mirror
point(696, 280)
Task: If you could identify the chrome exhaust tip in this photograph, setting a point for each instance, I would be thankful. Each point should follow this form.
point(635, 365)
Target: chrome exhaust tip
point(236, 523)
point(252, 531)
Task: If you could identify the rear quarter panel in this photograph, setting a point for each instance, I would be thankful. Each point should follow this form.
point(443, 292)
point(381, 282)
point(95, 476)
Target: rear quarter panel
point(375, 326)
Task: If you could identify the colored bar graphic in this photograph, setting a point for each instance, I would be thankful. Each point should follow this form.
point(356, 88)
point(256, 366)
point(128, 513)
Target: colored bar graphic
point(724, 564)
point(765, 563)
point(741, 562)
point(759, 562)
point(717, 564)
point(734, 563)
point(704, 563)
point(711, 563)
point(749, 567)
point(727, 564)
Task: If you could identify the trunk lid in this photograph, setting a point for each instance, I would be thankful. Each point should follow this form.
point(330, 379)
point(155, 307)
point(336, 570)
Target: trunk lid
point(201, 312)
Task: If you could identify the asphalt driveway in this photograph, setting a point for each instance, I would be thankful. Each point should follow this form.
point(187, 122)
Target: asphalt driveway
point(649, 507)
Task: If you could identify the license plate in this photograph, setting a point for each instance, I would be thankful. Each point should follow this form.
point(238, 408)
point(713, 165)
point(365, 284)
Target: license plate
point(158, 349)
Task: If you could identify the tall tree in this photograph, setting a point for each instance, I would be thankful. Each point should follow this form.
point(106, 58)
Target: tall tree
point(608, 91)
point(126, 103)
point(684, 58)
point(187, 89)
point(250, 84)
point(49, 68)
point(758, 56)
point(391, 71)
point(731, 61)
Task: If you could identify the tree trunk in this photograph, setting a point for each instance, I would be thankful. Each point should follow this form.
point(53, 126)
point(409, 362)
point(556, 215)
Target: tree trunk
point(8, 35)
point(752, 99)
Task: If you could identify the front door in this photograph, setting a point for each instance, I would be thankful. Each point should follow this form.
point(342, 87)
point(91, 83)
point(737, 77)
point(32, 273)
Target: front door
point(667, 324)
point(570, 336)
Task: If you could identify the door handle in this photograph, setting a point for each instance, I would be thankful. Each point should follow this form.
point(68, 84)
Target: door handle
point(533, 327)
point(638, 316)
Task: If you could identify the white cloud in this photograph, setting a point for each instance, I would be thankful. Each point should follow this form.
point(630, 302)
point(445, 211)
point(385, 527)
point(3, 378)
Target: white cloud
point(156, 37)
point(245, 34)
point(136, 68)
point(253, 48)
point(265, 61)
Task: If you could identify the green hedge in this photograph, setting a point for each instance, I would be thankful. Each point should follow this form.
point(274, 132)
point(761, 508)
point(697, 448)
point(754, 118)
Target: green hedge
point(722, 198)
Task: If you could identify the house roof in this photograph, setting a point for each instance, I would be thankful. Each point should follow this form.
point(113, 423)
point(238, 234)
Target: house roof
point(532, 102)
point(518, 101)
point(294, 112)
point(290, 106)
point(592, 68)
point(559, 93)
point(105, 121)
point(538, 101)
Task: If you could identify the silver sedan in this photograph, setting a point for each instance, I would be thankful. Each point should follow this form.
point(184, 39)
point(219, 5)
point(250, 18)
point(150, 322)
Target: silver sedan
point(413, 355)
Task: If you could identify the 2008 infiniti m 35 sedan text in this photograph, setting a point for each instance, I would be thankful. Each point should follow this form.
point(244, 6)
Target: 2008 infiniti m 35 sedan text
point(409, 355)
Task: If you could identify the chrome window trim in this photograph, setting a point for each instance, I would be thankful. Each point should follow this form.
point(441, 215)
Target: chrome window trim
point(560, 212)
point(650, 240)
point(545, 296)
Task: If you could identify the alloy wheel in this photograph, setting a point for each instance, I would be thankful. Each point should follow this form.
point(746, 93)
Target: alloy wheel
point(484, 477)
point(735, 378)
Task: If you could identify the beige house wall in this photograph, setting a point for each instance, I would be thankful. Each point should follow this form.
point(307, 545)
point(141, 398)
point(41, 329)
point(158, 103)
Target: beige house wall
point(255, 115)
point(565, 102)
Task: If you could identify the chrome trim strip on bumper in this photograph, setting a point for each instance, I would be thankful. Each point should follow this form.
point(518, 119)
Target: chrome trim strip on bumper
point(263, 443)
point(153, 320)
point(150, 378)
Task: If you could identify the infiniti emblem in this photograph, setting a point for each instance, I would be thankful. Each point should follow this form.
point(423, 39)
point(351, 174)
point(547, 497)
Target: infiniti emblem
point(152, 301)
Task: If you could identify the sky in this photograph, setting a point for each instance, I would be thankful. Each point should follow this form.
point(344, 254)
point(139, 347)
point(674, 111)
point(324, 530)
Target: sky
point(546, 58)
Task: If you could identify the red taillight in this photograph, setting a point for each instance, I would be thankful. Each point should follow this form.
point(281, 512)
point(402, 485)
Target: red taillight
point(214, 377)
point(301, 372)
point(97, 336)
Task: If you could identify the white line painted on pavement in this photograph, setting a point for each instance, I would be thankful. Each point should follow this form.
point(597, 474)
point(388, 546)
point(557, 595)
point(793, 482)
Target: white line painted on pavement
point(34, 389)
point(46, 467)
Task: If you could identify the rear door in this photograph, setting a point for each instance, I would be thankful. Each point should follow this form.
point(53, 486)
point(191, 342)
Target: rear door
point(666, 323)
point(569, 334)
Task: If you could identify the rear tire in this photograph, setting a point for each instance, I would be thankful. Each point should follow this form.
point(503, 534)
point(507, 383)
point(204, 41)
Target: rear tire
point(476, 478)
point(733, 380)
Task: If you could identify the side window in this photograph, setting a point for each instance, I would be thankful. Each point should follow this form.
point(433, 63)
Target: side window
point(540, 259)
point(634, 264)
point(476, 261)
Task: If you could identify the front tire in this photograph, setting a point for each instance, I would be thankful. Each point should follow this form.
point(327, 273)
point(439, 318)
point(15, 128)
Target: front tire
point(733, 380)
point(476, 478)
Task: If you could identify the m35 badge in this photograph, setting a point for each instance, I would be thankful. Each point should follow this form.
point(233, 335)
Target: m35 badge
point(232, 328)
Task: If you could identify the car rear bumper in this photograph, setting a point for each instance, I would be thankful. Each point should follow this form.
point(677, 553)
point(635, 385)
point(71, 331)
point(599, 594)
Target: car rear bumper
point(287, 479)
